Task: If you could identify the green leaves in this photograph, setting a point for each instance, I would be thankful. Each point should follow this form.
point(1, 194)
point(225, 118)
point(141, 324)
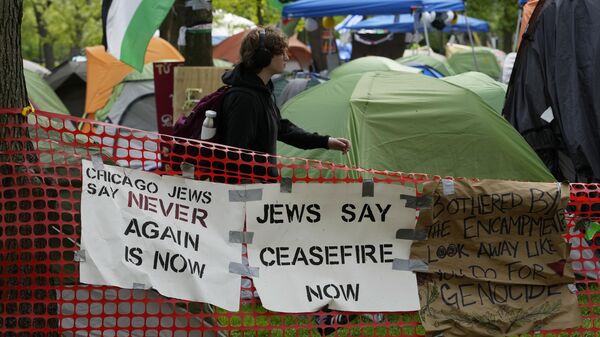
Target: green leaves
point(71, 25)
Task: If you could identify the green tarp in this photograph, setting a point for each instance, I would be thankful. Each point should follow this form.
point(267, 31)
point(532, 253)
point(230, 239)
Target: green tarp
point(41, 94)
point(370, 63)
point(440, 65)
point(492, 92)
point(487, 63)
point(415, 124)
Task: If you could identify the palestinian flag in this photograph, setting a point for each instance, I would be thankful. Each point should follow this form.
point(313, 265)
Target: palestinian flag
point(128, 26)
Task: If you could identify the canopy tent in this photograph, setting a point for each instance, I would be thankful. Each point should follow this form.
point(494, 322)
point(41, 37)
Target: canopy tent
point(104, 71)
point(412, 123)
point(229, 50)
point(69, 82)
point(405, 23)
point(318, 8)
point(491, 91)
point(41, 95)
point(371, 63)
point(439, 64)
point(226, 24)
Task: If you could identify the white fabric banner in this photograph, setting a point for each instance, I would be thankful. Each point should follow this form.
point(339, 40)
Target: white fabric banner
point(327, 245)
point(141, 230)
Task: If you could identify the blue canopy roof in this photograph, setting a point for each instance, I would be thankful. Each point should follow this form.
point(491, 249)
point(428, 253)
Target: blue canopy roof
point(405, 23)
point(318, 8)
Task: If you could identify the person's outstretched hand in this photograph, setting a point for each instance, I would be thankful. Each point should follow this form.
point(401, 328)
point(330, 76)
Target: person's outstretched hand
point(340, 144)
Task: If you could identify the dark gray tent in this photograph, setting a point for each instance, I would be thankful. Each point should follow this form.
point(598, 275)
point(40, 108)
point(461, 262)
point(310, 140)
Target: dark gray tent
point(132, 102)
point(69, 82)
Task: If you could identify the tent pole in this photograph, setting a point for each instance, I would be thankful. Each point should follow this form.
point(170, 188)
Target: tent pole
point(427, 38)
point(471, 37)
point(416, 31)
point(518, 30)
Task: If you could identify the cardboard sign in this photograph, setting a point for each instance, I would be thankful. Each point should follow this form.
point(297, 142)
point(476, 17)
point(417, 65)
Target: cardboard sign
point(461, 306)
point(327, 245)
point(495, 258)
point(141, 230)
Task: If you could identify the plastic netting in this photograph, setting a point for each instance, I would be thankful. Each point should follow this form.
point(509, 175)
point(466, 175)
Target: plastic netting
point(40, 172)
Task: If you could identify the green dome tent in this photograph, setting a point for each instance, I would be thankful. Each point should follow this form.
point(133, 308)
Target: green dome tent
point(487, 62)
point(439, 65)
point(370, 63)
point(492, 92)
point(41, 94)
point(412, 123)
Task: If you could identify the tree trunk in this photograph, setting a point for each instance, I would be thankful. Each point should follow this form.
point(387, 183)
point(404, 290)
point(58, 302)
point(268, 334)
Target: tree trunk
point(169, 29)
point(259, 15)
point(319, 59)
point(77, 33)
point(13, 93)
point(47, 50)
point(198, 41)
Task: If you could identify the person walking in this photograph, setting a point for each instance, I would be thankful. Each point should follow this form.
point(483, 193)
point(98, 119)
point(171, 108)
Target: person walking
point(250, 117)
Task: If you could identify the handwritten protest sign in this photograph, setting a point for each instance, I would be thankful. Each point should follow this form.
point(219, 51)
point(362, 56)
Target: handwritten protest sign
point(328, 245)
point(496, 260)
point(172, 234)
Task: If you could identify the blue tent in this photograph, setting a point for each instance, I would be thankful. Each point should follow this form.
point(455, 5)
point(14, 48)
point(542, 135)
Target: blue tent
point(318, 8)
point(405, 23)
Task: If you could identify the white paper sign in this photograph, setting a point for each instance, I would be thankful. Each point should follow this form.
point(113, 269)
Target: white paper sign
point(327, 245)
point(172, 234)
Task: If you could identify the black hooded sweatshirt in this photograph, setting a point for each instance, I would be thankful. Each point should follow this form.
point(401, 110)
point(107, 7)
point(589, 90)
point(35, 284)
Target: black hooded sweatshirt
point(250, 118)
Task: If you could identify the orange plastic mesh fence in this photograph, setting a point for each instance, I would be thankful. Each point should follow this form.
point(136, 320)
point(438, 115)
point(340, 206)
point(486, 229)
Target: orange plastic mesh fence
point(40, 295)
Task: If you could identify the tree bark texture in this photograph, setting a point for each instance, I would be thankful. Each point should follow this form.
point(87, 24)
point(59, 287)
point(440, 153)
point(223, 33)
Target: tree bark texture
point(198, 48)
point(13, 93)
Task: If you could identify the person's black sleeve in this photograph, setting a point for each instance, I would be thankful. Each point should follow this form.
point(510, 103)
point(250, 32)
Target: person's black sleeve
point(295, 136)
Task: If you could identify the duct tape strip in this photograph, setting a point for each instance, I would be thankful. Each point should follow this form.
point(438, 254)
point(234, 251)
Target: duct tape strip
point(240, 237)
point(286, 185)
point(97, 162)
point(187, 170)
point(245, 195)
point(448, 186)
point(368, 188)
point(139, 285)
point(416, 202)
point(572, 288)
point(240, 269)
point(410, 265)
point(79, 256)
point(198, 4)
point(411, 234)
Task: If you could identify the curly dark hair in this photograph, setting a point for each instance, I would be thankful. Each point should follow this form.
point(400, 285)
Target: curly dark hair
point(275, 41)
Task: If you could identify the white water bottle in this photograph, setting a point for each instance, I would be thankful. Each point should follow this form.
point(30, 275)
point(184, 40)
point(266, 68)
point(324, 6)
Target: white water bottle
point(209, 127)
